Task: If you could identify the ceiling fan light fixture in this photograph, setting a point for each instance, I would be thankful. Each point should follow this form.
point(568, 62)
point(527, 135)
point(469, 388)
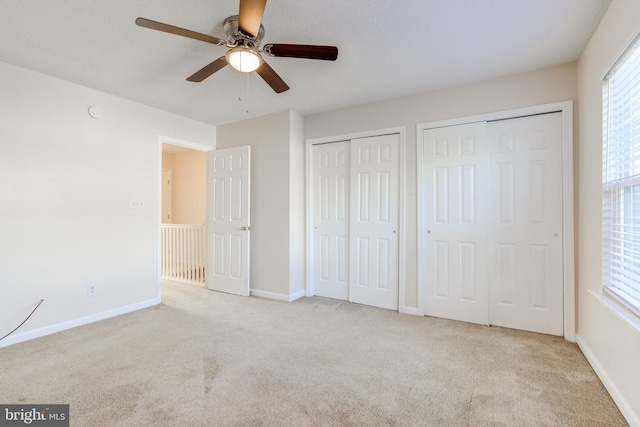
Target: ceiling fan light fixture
point(244, 59)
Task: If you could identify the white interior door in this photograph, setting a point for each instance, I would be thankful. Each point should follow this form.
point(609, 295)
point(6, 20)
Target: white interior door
point(228, 192)
point(455, 222)
point(330, 169)
point(526, 238)
point(373, 228)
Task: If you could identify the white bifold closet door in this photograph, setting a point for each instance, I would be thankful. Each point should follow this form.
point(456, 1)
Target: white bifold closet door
point(456, 180)
point(355, 220)
point(373, 236)
point(493, 223)
point(526, 280)
point(330, 165)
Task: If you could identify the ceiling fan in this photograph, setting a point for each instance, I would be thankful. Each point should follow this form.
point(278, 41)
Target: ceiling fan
point(244, 34)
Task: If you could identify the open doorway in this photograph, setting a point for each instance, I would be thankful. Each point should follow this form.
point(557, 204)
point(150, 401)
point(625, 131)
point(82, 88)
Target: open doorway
point(216, 223)
point(183, 212)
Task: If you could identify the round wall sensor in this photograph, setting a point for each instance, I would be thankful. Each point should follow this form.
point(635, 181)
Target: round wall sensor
point(95, 112)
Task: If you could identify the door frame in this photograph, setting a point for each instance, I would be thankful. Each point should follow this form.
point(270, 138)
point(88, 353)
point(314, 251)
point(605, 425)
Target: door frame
point(568, 233)
point(162, 139)
point(402, 208)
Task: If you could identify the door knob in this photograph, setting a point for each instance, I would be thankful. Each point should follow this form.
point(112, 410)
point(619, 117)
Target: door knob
point(245, 228)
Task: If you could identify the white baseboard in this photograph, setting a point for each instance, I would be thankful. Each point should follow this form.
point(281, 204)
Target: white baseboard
point(276, 296)
point(48, 330)
point(297, 295)
point(622, 403)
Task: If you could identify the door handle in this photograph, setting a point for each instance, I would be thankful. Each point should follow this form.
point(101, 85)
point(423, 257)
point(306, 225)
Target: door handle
point(245, 228)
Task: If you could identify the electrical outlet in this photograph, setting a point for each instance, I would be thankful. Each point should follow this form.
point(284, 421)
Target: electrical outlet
point(136, 204)
point(91, 290)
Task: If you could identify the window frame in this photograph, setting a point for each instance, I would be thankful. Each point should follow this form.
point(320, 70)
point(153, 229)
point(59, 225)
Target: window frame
point(621, 172)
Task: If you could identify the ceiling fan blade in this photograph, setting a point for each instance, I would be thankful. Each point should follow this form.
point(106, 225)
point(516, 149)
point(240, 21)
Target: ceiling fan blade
point(208, 70)
point(272, 78)
point(250, 16)
point(154, 25)
point(326, 53)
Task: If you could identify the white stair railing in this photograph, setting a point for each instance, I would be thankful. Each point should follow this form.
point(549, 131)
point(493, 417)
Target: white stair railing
point(183, 252)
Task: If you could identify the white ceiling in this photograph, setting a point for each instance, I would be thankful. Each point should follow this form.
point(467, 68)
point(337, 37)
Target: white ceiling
point(387, 48)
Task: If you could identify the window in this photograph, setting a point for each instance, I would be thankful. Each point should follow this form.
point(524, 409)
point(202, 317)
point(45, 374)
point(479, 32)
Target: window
point(621, 179)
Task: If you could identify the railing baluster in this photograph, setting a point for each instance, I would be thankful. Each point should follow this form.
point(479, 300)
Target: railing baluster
point(183, 252)
point(174, 253)
point(189, 233)
point(181, 257)
point(165, 249)
point(199, 256)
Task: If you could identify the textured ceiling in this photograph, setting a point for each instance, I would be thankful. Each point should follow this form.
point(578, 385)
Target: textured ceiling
point(387, 48)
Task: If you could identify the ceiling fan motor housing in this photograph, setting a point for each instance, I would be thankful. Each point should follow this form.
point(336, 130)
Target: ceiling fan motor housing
point(236, 37)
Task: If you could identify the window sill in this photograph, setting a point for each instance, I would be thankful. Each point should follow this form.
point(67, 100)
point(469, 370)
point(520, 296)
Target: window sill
point(618, 309)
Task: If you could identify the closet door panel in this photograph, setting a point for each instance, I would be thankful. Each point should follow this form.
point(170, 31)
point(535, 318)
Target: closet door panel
point(455, 222)
point(330, 163)
point(374, 221)
point(526, 235)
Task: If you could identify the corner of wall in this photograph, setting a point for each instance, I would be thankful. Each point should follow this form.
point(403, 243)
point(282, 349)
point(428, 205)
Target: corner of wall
point(296, 204)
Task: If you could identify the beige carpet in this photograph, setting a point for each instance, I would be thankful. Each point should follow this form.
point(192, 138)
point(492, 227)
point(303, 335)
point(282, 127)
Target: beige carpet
point(206, 359)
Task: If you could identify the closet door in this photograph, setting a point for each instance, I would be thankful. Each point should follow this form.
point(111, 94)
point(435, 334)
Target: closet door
point(491, 223)
point(454, 218)
point(330, 169)
point(373, 232)
point(526, 289)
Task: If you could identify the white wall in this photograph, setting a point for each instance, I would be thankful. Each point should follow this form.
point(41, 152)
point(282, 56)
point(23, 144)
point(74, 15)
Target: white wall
point(611, 343)
point(534, 88)
point(297, 206)
point(66, 180)
point(270, 140)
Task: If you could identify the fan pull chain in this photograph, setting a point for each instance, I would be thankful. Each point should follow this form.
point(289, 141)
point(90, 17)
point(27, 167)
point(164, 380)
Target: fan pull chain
point(246, 97)
point(240, 88)
point(247, 92)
